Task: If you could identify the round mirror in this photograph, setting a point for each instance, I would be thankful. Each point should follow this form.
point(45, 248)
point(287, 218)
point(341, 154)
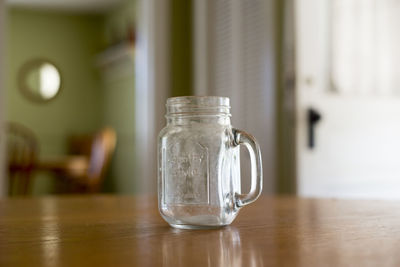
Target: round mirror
point(40, 80)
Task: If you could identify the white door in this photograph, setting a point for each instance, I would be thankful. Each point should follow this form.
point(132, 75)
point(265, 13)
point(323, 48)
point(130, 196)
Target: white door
point(346, 56)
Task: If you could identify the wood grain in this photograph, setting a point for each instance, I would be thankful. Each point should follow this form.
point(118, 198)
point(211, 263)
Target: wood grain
point(128, 231)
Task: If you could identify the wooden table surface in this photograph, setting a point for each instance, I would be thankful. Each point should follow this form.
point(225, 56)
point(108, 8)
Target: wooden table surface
point(128, 231)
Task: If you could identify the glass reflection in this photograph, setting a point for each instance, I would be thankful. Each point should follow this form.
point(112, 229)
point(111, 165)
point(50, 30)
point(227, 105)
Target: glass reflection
point(208, 248)
point(50, 234)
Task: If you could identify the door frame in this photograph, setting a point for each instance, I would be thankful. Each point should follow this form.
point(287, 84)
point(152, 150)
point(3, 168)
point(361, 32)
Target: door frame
point(151, 88)
point(3, 176)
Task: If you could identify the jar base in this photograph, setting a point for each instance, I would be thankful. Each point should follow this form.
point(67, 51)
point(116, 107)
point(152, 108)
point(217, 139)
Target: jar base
point(196, 227)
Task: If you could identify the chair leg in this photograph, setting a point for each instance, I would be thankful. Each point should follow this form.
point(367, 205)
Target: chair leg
point(11, 184)
point(23, 184)
point(18, 184)
point(26, 183)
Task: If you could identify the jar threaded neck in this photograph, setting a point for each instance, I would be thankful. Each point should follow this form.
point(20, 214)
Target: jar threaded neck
point(198, 106)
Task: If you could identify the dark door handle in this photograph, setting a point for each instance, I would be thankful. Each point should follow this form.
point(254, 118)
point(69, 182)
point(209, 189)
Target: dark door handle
point(313, 117)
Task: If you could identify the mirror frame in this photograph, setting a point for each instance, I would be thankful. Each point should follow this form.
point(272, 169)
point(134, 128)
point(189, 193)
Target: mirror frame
point(22, 80)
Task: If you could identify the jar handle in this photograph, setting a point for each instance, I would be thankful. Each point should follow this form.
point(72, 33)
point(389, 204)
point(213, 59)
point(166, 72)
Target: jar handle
point(243, 138)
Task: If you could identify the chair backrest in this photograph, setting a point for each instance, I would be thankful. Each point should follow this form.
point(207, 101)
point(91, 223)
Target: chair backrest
point(22, 153)
point(80, 144)
point(102, 149)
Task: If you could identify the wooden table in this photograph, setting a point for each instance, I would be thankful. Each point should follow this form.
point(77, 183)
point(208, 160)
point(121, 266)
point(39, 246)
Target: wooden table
point(75, 165)
point(72, 167)
point(62, 164)
point(127, 231)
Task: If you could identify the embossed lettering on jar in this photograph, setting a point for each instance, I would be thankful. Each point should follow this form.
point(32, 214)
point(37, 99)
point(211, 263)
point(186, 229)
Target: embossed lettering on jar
point(199, 164)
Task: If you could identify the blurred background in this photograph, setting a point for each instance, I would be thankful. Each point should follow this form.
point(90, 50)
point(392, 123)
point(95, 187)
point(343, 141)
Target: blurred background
point(84, 85)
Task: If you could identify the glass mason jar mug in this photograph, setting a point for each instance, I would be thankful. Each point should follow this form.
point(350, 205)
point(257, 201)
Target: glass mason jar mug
point(199, 164)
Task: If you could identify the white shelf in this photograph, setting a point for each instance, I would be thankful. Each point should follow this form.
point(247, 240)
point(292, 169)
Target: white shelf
point(118, 54)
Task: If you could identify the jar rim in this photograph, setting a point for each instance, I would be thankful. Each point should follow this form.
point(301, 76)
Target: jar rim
point(198, 106)
point(199, 101)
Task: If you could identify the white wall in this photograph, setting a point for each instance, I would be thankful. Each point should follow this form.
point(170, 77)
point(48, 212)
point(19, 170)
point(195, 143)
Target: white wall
point(3, 180)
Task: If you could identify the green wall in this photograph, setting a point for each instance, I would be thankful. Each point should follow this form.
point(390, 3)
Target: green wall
point(71, 42)
point(119, 112)
point(119, 98)
point(119, 20)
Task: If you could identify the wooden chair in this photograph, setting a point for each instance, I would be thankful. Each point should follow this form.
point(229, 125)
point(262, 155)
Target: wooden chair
point(22, 152)
point(90, 179)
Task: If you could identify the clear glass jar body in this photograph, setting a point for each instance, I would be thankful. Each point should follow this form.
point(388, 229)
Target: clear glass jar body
point(199, 164)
